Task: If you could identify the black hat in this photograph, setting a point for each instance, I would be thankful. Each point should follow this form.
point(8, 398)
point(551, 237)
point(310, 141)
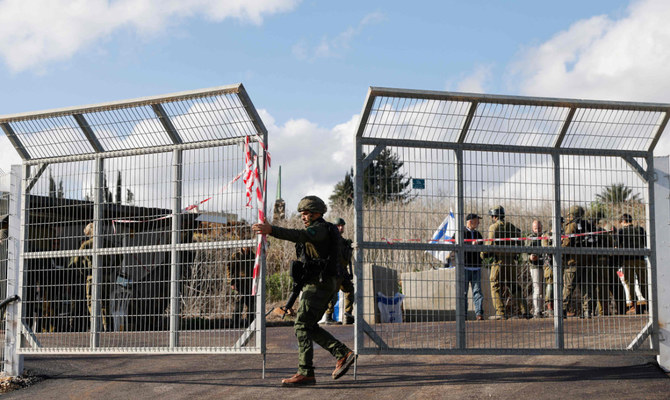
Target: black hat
point(626, 218)
point(472, 216)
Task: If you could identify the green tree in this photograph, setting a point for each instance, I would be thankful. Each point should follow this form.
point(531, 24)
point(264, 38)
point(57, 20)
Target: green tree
point(55, 191)
point(382, 182)
point(617, 193)
point(118, 187)
point(52, 185)
point(108, 196)
point(343, 193)
point(106, 193)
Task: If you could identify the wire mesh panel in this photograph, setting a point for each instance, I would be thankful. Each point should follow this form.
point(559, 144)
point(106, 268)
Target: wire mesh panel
point(137, 225)
point(504, 224)
point(4, 237)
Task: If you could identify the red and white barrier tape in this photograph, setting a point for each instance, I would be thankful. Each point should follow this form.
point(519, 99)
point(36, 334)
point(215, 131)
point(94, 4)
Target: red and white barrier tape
point(251, 178)
point(391, 241)
point(260, 204)
point(250, 173)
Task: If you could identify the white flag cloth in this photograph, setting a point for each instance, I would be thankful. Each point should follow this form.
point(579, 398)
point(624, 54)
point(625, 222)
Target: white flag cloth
point(445, 232)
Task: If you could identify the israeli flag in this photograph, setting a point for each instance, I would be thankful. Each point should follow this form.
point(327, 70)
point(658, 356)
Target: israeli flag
point(444, 234)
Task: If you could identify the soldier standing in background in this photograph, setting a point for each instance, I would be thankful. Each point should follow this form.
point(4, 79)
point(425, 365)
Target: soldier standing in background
point(606, 275)
point(503, 268)
point(241, 269)
point(346, 285)
point(107, 272)
point(578, 267)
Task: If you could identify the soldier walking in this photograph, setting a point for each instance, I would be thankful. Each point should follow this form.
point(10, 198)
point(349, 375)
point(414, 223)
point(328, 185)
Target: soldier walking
point(317, 247)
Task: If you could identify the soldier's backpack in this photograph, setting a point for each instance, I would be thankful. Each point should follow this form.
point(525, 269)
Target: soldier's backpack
point(331, 265)
point(338, 251)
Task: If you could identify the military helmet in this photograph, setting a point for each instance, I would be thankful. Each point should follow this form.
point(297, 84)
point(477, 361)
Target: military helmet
point(312, 204)
point(339, 221)
point(576, 212)
point(498, 211)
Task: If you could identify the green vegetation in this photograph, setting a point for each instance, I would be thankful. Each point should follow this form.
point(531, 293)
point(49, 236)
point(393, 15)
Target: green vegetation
point(382, 182)
point(276, 286)
point(617, 193)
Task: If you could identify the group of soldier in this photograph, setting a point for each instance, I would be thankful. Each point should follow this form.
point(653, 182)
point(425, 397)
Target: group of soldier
point(602, 279)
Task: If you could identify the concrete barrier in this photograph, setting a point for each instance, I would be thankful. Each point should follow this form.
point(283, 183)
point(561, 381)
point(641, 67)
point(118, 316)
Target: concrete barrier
point(431, 295)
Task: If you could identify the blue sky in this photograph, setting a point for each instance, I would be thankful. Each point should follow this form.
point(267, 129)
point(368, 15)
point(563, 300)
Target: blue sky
point(307, 64)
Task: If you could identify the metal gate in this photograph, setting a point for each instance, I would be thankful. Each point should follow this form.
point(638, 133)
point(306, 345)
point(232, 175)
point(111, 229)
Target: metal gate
point(135, 225)
point(582, 169)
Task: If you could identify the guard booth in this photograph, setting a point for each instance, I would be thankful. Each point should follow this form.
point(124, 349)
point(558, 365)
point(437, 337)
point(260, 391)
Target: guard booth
point(133, 226)
point(425, 160)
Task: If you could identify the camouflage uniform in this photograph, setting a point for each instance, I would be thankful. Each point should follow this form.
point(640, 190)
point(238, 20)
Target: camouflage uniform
point(577, 268)
point(346, 285)
point(241, 269)
point(107, 273)
point(503, 268)
point(315, 243)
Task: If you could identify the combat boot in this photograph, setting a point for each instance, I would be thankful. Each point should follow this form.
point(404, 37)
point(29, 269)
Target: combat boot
point(343, 364)
point(299, 380)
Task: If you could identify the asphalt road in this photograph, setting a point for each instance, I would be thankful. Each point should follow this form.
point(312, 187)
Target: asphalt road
point(377, 377)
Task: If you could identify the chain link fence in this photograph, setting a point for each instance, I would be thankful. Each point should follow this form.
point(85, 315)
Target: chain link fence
point(136, 225)
point(558, 189)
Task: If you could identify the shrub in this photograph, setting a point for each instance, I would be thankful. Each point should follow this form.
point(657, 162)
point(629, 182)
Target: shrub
point(276, 286)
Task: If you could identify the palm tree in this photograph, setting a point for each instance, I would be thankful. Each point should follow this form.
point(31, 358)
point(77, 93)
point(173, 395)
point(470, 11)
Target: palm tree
point(618, 193)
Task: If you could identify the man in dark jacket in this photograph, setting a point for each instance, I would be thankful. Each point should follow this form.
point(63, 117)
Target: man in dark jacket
point(473, 265)
point(317, 249)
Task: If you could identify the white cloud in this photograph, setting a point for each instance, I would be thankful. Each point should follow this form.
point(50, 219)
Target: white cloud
point(313, 158)
point(604, 58)
point(475, 82)
point(335, 46)
point(8, 157)
point(39, 31)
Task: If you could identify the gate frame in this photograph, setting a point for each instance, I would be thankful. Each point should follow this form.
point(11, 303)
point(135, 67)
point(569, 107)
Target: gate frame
point(27, 180)
point(647, 175)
